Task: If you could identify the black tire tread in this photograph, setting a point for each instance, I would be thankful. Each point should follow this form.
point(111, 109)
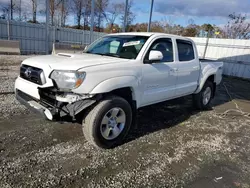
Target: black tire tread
point(92, 116)
point(197, 98)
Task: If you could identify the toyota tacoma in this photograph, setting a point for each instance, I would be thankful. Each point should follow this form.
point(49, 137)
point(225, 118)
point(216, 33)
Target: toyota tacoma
point(113, 77)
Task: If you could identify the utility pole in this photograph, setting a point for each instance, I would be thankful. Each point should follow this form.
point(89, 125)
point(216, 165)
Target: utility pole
point(62, 14)
point(125, 17)
point(150, 15)
point(20, 10)
point(8, 25)
point(92, 21)
point(47, 28)
point(11, 9)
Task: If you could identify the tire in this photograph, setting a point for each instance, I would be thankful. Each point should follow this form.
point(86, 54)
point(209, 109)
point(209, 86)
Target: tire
point(99, 124)
point(199, 99)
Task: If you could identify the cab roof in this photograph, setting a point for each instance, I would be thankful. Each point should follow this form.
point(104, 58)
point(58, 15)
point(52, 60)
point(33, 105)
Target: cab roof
point(149, 34)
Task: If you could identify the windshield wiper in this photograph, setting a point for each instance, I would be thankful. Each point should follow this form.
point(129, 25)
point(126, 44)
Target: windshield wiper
point(93, 53)
point(106, 54)
point(111, 54)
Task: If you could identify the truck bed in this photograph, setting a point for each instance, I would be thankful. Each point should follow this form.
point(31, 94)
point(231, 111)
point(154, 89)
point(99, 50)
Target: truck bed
point(207, 60)
point(214, 63)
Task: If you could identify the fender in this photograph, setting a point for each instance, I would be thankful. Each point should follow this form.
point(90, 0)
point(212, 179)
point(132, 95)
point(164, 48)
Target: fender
point(117, 83)
point(203, 79)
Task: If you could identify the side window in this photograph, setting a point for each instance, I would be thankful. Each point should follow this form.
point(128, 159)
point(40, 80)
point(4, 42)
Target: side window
point(165, 46)
point(185, 50)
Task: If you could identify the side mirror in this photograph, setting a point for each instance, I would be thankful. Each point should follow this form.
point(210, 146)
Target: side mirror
point(155, 55)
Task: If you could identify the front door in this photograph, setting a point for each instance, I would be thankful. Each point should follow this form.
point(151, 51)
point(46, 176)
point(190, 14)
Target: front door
point(159, 78)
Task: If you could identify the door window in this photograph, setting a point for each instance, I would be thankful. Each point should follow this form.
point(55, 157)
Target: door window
point(165, 46)
point(185, 50)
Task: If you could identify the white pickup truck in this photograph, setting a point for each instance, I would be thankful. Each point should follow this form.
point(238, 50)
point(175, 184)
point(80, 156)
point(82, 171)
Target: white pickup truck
point(114, 76)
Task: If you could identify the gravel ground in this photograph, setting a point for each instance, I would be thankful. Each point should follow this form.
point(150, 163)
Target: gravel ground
point(9, 70)
point(173, 145)
point(9, 60)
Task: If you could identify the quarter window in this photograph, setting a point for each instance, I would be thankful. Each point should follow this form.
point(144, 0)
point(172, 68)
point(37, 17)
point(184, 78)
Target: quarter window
point(185, 50)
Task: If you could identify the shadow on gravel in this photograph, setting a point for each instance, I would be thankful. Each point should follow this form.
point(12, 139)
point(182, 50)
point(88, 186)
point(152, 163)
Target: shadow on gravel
point(168, 114)
point(161, 116)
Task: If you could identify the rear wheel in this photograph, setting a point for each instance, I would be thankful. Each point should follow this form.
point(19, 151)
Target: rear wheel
point(203, 98)
point(108, 122)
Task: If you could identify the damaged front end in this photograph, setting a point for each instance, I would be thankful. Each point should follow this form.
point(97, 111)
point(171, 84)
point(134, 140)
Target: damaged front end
point(57, 105)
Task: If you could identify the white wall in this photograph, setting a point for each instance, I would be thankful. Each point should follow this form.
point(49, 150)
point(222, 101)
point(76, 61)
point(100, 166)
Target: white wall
point(234, 53)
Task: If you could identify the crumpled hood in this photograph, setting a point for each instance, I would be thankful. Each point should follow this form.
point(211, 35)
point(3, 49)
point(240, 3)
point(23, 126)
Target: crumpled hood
point(63, 61)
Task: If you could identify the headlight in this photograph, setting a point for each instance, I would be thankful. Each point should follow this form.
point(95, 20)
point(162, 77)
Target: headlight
point(67, 79)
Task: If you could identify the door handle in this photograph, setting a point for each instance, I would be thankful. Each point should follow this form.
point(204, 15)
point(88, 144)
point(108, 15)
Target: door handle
point(173, 69)
point(195, 67)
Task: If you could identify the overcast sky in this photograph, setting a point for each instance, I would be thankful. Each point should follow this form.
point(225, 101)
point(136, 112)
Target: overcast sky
point(180, 11)
point(201, 11)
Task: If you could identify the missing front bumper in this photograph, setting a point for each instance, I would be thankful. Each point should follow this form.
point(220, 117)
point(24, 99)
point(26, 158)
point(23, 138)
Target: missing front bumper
point(33, 105)
point(52, 109)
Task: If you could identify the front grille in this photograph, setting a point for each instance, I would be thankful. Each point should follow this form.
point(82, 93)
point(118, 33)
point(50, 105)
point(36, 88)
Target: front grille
point(47, 95)
point(32, 74)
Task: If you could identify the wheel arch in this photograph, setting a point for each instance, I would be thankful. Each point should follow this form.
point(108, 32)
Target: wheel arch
point(125, 86)
point(211, 78)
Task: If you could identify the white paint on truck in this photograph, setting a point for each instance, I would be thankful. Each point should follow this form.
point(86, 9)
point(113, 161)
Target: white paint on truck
point(155, 66)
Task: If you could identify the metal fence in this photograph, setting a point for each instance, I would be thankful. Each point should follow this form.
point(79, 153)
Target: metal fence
point(32, 36)
point(234, 53)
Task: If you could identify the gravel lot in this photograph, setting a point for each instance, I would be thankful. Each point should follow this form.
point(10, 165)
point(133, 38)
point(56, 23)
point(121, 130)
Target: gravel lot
point(173, 145)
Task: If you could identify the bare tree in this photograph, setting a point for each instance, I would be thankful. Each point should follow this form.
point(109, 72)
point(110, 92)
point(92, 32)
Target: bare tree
point(100, 8)
point(25, 9)
point(168, 24)
point(34, 10)
point(112, 14)
point(86, 14)
point(237, 27)
point(53, 6)
point(19, 7)
point(64, 7)
point(190, 21)
point(77, 9)
point(7, 10)
point(130, 14)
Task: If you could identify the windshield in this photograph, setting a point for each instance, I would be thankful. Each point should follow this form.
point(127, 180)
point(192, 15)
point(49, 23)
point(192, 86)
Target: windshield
point(122, 46)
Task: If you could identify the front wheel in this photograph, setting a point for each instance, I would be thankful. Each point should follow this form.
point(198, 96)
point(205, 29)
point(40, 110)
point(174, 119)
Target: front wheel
point(203, 98)
point(108, 122)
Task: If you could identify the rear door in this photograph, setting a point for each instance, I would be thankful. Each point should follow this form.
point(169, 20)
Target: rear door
point(188, 68)
point(159, 78)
